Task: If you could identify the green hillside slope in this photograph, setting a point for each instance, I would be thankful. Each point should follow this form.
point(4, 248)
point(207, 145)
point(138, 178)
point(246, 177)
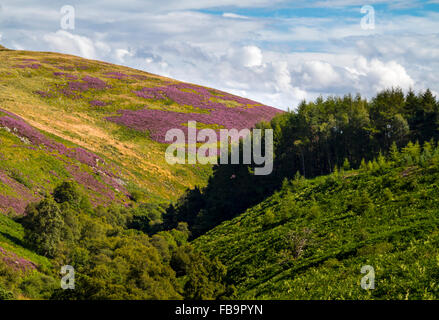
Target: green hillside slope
point(311, 239)
point(117, 114)
point(84, 182)
point(101, 127)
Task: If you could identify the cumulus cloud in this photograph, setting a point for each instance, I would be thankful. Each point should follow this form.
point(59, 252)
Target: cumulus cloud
point(319, 74)
point(382, 75)
point(122, 53)
point(248, 56)
point(356, 73)
point(66, 42)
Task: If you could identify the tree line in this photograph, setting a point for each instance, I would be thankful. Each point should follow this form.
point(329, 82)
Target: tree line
point(315, 139)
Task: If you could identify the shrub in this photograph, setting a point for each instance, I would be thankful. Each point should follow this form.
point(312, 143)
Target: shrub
point(6, 295)
point(268, 219)
point(39, 286)
point(44, 224)
point(67, 192)
point(297, 242)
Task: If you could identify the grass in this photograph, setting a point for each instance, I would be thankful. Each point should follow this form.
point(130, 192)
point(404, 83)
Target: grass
point(35, 168)
point(11, 239)
point(75, 123)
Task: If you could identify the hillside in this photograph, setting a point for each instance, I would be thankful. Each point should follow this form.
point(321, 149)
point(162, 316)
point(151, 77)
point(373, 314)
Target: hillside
point(101, 125)
point(311, 141)
point(83, 177)
point(84, 182)
point(311, 239)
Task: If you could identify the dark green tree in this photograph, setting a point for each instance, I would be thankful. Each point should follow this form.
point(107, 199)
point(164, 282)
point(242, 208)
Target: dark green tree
point(67, 192)
point(44, 226)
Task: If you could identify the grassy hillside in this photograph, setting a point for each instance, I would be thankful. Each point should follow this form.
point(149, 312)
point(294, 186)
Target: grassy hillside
point(33, 164)
point(84, 142)
point(117, 113)
point(311, 239)
point(102, 127)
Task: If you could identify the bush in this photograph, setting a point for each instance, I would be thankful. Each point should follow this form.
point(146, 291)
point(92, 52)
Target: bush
point(44, 226)
point(268, 219)
point(38, 286)
point(67, 192)
point(6, 295)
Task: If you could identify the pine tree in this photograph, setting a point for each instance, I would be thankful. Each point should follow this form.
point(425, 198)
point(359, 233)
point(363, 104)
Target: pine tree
point(346, 164)
point(363, 165)
point(394, 153)
point(381, 160)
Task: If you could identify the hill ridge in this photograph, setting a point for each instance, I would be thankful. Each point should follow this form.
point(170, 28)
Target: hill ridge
point(118, 113)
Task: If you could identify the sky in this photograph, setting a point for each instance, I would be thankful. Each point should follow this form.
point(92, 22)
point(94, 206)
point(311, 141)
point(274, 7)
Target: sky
point(273, 51)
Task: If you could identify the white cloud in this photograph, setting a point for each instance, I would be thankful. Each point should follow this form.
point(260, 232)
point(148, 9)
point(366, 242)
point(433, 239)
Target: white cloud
point(250, 56)
point(382, 75)
point(122, 53)
point(66, 42)
point(319, 73)
point(233, 16)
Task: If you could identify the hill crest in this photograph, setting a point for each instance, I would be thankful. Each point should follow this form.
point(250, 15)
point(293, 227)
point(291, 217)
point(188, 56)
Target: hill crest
point(116, 114)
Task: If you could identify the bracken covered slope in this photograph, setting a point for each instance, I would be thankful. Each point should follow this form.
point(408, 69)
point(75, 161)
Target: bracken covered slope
point(102, 125)
point(311, 239)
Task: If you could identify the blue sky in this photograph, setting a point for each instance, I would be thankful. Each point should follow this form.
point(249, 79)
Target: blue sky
point(313, 9)
point(274, 51)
